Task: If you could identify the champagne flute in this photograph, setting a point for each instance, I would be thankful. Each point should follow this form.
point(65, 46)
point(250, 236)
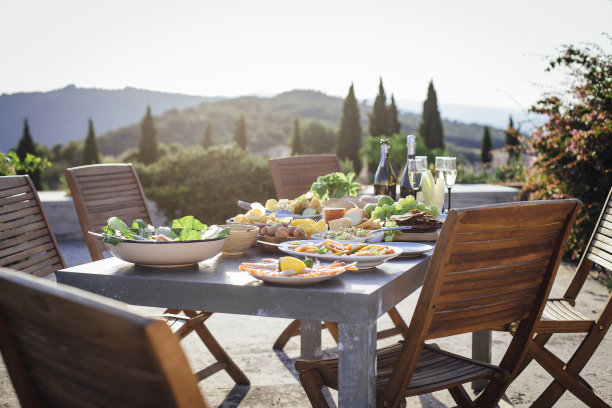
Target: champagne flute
point(440, 171)
point(416, 167)
point(450, 176)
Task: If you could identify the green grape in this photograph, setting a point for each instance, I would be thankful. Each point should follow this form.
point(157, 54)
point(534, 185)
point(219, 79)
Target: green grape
point(412, 205)
point(402, 201)
point(410, 198)
point(421, 206)
point(387, 208)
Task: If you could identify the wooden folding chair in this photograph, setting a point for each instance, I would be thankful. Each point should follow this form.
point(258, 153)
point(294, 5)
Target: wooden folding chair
point(101, 191)
point(293, 176)
point(27, 243)
point(560, 316)
point(64, 347)
point(491, 265)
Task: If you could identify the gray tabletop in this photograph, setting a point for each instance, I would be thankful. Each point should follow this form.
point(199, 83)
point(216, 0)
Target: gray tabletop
point(354, 299)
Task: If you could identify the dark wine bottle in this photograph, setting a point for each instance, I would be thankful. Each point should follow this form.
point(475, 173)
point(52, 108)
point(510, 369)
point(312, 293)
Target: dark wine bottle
point(385, 182)
point(406, 188)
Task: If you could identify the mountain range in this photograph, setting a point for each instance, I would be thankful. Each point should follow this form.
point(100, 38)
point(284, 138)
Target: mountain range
point(60, 116)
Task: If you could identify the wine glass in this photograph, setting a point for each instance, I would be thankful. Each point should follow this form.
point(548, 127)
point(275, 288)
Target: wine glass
point(450, 176)
point(440, 171)
point(416, 168)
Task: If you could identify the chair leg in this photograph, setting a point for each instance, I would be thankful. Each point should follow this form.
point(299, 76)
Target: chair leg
point(461, 397)
point(333, 329)
point(313, 384)
point(398, 321)
point(566, 378)
point(292, 330)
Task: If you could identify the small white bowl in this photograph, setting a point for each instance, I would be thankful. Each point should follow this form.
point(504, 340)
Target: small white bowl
point(167, 254)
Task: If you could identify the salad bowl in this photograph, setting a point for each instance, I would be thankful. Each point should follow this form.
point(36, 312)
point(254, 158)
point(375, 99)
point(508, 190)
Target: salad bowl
point(167, 254)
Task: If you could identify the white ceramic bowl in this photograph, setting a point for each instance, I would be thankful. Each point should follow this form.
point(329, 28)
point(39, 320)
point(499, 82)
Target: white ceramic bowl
point(241, 237)
point(167, 254)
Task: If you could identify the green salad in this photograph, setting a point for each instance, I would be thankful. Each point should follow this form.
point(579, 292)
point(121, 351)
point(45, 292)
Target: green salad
point(183, 229)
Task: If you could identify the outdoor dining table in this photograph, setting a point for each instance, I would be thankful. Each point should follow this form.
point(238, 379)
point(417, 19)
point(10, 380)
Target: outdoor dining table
point(355, 299)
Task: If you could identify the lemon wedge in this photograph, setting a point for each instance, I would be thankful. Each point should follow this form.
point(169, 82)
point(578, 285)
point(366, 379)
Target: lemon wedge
point(290, 262)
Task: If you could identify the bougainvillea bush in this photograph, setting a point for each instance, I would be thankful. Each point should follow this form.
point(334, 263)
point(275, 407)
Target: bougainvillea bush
point(574, 147)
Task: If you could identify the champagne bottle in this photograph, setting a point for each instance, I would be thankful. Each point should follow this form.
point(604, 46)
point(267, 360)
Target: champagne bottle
point(406, 188)
point(384, 180)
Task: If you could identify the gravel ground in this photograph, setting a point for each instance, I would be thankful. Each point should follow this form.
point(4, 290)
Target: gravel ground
point(249, 340)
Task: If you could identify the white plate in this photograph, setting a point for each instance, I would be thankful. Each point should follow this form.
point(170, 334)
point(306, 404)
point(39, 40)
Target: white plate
point(167, 254)
point(363, 262)
point(412, 248)
point(374, 238)
point(294, 280)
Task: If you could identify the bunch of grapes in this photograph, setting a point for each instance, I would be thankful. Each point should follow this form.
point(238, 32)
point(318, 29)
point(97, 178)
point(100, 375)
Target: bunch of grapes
point(387, 207)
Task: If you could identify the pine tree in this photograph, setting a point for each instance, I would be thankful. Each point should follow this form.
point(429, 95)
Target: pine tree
point(25, 146)
point(512, 141)
point(487, 145)
point(350, 136)
point(378, 117)
point(393, 125)
point(431, 124)
point(90, 152)
point(148, 148)
point(296, 139)
point(240, 132)
point(207, 141)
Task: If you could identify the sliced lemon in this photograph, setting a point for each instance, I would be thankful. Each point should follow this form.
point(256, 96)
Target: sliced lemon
point(290, 262)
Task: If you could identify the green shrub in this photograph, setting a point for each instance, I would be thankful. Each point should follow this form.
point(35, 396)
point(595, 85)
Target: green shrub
point(206, 183)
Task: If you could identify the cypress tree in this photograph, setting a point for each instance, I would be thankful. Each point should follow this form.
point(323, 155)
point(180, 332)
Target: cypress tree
point(349, 138)
point(378, 117)
point(90, 152)
point(296, 139)
point(148, 148)
point(487, 145)
point(431, 124)
point(393, 124)
point(25, 146)
point(512, 141)
point(207, 141)
point(240, 132)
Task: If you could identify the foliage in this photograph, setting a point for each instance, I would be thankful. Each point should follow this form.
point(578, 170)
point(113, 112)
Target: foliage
point(318, 138)
point(60, 157)
point(485, 149)
point(208, 140)
point(148, 148)
point(347, 166)
point(573, 147)
point(513, 143)
point(431, 124)
point(468, 175)
point(511, 172)
point(393, 125)
point(240, 137)
point(378, 117)
point(11, 164)
point(335, 185)
point(206, 183)
point(24, 148)
point(350, 135)
point(296, 140)
point(90, 153)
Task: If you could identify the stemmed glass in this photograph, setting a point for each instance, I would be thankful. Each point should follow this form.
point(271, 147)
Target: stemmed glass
point(450, 175)
point(440, 170)
point(416, 168)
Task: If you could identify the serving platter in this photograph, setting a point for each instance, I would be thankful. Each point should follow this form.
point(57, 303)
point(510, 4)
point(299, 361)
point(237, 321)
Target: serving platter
point(363, 262)
point(412, 249)
point(294, 280)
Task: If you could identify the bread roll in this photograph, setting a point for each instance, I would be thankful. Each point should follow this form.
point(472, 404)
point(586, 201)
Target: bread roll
point(356, 215)
point(339, 224)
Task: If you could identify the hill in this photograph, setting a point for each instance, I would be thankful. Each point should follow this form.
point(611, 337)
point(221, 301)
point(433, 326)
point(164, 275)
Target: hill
point(269, 122)
point(61, 115)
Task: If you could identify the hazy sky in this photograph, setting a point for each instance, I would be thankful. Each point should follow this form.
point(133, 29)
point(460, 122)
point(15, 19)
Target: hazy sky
point(487, 53)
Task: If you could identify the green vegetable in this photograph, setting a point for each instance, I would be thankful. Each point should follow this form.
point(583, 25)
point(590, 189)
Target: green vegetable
point(335, 185)
point(184, 229)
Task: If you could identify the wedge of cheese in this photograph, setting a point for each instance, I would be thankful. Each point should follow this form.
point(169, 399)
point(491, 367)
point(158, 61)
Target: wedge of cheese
point(339, 224)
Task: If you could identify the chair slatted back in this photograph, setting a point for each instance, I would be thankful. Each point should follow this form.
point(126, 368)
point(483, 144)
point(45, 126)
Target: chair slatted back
point(101, 191)
point(495, 262)
point(27, 243)
point(293, 176)
point(491, 266)
point(598, 250)
point(66, 347)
